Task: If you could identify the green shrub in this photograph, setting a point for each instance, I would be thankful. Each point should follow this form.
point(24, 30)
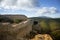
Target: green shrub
point(2, 19)
point(31, 35)
point(56, 35)
point(17, 20)
point(54, 25)
point(45, 27)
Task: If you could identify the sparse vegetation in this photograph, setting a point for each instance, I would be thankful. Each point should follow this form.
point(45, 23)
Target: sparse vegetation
point(50, 26)
point(54, 25)
point(56, 35)
point(17, 21)
point(40, 26)
point(2, 19)
point(45, 26)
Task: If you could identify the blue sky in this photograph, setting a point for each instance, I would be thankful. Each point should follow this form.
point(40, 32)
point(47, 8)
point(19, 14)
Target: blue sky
point(31, 8)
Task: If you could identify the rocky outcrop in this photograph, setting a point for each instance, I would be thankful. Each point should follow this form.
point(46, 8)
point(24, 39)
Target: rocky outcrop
point(15, 32)
point(15, 16)
point(42, 37)
point(12, 18)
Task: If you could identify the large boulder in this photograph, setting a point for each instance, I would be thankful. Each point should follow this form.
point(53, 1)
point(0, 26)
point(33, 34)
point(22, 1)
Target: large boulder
point(42, 37)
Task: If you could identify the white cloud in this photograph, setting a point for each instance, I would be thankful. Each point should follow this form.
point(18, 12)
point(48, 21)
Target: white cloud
point(27, 5)
point(52, 10)
point(42, 10)
point(17, 4)
point(47, 10)
point(10, 13)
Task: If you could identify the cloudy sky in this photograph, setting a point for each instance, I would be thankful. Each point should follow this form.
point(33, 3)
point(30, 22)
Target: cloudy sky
point(31, 8)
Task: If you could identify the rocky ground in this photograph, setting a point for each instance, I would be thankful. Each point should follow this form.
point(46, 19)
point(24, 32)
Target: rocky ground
point(42, 37)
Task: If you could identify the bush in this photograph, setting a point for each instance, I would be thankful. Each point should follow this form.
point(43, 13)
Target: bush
point(56, 35)
point(17, 20)
point(4, 19)
point(54, 25)
point(44, 26)
point(31, 35)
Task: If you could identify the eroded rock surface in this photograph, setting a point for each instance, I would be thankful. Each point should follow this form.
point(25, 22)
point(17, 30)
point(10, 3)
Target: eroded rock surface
point(42, 37)
point(18, 32)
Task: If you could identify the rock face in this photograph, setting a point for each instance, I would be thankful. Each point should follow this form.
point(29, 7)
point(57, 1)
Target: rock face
point(42, 37)
point(18, 31)
point(15, 16)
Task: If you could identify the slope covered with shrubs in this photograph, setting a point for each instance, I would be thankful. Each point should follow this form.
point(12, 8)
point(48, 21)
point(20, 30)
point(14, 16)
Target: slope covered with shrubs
point(49, 26)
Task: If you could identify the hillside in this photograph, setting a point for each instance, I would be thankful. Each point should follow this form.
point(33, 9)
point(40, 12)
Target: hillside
point(15, 29)
point(12, 18)
point(20, 26)
point(46, 25)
